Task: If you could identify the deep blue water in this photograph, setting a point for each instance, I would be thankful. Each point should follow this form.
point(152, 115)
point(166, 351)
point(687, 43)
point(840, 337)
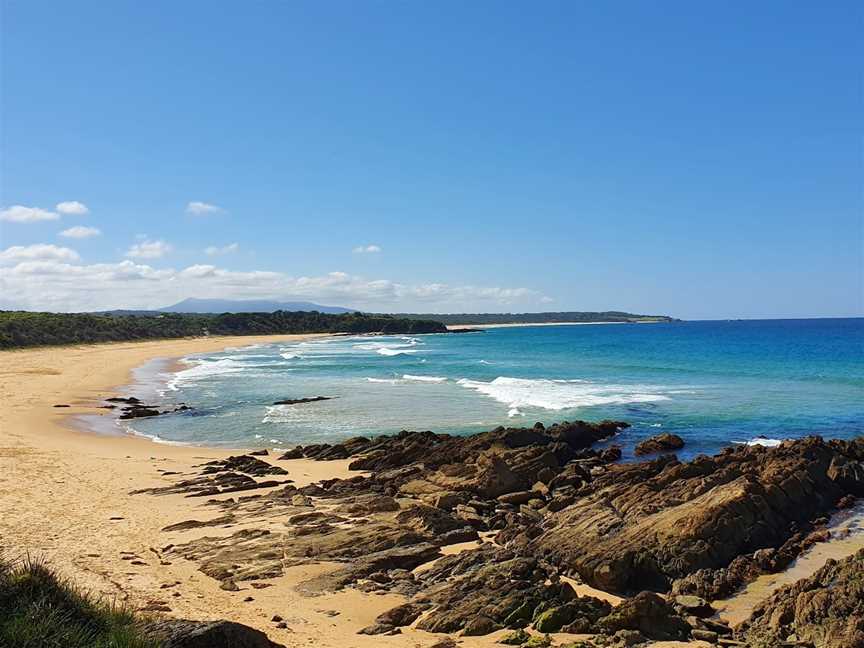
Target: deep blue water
point(713, 383)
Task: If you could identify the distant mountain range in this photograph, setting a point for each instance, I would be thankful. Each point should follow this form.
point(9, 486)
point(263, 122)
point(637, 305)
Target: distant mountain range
point(247, 306)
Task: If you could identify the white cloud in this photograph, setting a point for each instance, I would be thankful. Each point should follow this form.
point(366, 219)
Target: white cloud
point(37, 252)
point(214, 250)
point(80, 232)
point(199, 208)
point(73, 208)
point(47, 283)
point(22, 214)
point(367, 249)
point(149, 250)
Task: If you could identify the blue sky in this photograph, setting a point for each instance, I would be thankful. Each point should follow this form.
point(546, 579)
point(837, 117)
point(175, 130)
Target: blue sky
point(697, 159)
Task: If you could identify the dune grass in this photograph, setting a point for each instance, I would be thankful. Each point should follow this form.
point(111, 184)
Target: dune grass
point(39, 609)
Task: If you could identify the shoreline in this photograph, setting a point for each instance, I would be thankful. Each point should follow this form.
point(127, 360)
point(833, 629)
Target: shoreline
point(65, 495)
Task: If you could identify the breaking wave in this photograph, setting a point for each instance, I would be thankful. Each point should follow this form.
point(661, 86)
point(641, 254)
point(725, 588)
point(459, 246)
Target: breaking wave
point(560, 394)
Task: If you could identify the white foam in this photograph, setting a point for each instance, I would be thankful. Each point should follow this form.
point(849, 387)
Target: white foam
point(408, 378)
point(389, 347)
point(204, 368)
point(561, 394)
point(429, 379)
point(761, 441)
point(387, 351)
point(513, 412)
point(290, 356)
point(155, 438)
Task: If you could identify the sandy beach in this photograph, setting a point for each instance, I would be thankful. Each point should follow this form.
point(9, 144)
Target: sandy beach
point(64, 496)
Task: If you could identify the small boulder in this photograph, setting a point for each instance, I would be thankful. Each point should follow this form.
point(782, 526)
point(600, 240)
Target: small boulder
point(660, 443)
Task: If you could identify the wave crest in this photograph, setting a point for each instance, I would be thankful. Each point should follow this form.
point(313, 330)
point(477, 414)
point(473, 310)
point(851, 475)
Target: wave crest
point(561, 394)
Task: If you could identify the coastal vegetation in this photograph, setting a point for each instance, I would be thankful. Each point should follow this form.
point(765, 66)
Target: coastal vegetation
point(27, 329)
point(39, 609)
point(540, 318)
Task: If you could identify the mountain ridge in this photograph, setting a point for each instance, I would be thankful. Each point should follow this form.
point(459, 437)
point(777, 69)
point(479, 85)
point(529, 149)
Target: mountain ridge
point(196, 305)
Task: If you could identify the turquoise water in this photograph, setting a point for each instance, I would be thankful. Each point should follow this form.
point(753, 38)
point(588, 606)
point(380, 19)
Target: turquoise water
point(713, 383)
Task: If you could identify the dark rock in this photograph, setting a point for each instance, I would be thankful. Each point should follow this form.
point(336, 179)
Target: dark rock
point(298, 401)
point(376, 629)
point(693, 605)
point(624, 638)
point(179, 633)
point(480, 625)
point(195, 524)
point(648, 613)
point(484, 589)
point(660, 443)
point(704, 635)
point(402, 615)
point(610, 454)
point(519, 497)
point(293, 453)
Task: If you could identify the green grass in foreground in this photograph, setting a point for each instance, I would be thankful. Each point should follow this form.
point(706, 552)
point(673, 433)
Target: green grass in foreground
point(39, 609)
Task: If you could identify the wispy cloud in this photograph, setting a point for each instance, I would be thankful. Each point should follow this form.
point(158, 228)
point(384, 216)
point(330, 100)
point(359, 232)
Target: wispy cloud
point(214, 250)
point(72, 208)
point(198, 208)
point(367, 249)
point(149, 250)
point(38, 252)
point(22, 214)
point(80, 232)
point(52, 280)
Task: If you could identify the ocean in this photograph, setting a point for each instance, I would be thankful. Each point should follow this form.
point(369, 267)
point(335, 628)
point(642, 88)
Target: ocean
point(714, 383)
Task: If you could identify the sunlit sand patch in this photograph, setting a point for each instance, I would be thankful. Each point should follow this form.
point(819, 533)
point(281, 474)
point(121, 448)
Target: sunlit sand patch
point(847, 537)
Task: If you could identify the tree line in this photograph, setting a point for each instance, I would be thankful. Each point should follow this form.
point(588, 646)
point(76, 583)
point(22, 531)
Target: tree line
point(27, 329)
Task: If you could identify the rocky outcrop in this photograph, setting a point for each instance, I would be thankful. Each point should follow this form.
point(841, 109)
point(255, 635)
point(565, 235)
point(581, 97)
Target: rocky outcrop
point(299, 401)
point(649, 614)
point(485, 590)
point(720, 583)
point(659, 443)
point(231, 475)
point(132, 408)
point(825, 610)
point(436, 450)
point(641, 526)
point(557, 507)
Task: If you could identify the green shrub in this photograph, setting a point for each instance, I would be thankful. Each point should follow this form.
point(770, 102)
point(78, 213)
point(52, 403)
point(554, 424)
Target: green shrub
point(38, 609)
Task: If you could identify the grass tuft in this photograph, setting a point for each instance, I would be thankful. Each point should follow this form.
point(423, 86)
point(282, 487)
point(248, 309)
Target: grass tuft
point(40, 609)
